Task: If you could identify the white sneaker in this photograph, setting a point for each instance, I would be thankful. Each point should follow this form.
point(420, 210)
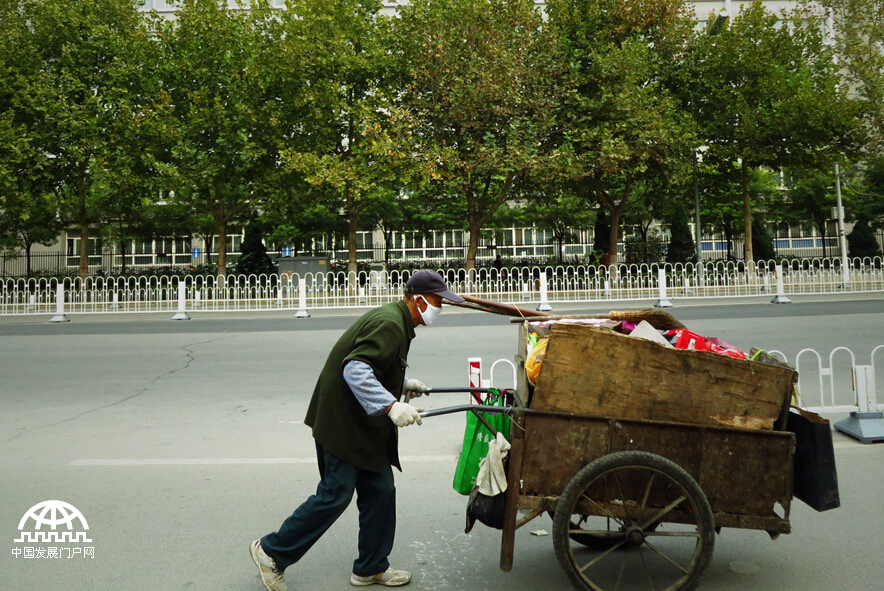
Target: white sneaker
point(270, 576)
point(388, 578)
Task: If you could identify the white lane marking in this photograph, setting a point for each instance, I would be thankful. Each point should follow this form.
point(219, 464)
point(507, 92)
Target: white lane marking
point(232, 461)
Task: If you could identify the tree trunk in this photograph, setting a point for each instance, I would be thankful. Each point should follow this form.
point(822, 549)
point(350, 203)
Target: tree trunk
point(28, 257)
point(615, 231)
point(473, 246)
point(729, 238)
point(84, 230)
point(122, 248)
point(747, 218)
point(353, 218)
point(822, 228)
point(222, 248)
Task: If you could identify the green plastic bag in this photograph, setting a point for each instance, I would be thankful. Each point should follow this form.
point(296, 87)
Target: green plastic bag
point(476, 438)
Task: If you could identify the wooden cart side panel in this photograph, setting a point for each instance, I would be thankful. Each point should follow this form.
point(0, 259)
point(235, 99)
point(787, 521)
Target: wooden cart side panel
point(742, 472)
point(555, 449)
point(599, 372)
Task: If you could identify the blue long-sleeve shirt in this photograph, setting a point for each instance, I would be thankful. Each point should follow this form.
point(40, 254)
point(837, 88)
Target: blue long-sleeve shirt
point(373, 397)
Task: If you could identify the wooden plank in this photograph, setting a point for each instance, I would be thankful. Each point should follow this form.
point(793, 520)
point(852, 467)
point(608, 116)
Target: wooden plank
point(511, 508)
point(556, 449)
point(593, 371)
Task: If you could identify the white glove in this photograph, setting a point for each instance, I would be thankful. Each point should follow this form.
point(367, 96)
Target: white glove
point(403, 414)
point(414, 388)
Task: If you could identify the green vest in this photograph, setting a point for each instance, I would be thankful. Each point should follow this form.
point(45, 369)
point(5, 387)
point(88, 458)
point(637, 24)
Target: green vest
point(380, 338)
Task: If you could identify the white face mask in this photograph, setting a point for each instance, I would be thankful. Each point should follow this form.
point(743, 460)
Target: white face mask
point(430, 314)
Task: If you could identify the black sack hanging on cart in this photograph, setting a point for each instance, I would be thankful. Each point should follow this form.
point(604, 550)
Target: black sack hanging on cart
point(488, 510)
point(816, 480)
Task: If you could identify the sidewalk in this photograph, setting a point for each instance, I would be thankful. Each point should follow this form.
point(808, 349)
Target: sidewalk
point(559, 308)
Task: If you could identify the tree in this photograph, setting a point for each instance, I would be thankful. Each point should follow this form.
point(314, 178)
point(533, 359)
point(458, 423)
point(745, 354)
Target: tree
point(477, 101)
point(29, 220)
point(681, 243)
point(861, 240)
point(214, 72)
point(810, 197)
point(74, 68)
point(601, 232)
point(562, 212)
point(253, 258)
point(779, 89)
point(621, 122)
point(345, 57)
point(857, 28)
point(762, 243)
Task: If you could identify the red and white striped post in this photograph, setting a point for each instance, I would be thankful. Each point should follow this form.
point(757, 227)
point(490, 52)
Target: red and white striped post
point(475, 377)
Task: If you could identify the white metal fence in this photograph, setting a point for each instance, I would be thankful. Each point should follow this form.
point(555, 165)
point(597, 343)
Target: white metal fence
point(838, 383)
point(516, 285)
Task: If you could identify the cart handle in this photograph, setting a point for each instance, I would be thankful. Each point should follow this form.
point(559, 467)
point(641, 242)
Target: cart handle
point(476, 410)
point(462, 389)
point(465, 408)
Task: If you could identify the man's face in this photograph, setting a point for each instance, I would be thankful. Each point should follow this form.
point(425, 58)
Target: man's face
point(433, 299)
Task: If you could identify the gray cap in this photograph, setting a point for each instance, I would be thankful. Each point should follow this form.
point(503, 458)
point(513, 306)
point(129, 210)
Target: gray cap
point(425, 281)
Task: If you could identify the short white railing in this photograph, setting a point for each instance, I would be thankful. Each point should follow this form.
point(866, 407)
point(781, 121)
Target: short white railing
point(355, 290)
point(843, 385)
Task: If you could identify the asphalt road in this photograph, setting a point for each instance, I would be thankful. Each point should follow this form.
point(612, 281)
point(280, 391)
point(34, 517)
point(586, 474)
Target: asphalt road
point(180, 442)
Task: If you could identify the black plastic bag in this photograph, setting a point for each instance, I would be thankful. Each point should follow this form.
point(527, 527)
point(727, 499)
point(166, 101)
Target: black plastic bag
point(816, 480)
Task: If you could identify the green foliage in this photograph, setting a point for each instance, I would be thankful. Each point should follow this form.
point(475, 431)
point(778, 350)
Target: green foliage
point(861, 240)
point(859, 36)
point(476, 104)
point(762, 243)
point(253, 258)
point(562, 213)
point(780, 88)
point(681, 243)
point(639, 250)
point(76, 76)
point(623, 125)
point(343, 51)
point(215, 65)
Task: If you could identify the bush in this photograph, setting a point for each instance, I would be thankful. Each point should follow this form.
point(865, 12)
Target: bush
point(681, 243)
point(762, 243)
point(861, 241)
point(640, 251)
point(253, 259)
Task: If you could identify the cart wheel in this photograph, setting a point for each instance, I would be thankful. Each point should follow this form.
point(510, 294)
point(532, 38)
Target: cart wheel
point(598, 540)
point(648, 524)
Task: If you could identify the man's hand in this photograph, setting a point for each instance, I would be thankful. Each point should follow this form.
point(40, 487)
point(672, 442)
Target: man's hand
point(403, 414)
point(414, 388)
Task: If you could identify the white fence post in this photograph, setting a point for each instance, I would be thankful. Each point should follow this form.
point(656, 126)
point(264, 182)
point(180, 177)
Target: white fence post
point(116, 302)
point(59, 305)
point(32, 302)
point(662, 302)
point(544, 296)
point(780, 298)
point(182, 302)
point(302, 299)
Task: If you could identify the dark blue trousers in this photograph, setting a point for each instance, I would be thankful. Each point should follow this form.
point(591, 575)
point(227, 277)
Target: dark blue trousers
point(375, 498)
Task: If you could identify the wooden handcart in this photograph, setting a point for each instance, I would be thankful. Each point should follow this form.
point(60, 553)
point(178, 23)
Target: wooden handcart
point(642, 453)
